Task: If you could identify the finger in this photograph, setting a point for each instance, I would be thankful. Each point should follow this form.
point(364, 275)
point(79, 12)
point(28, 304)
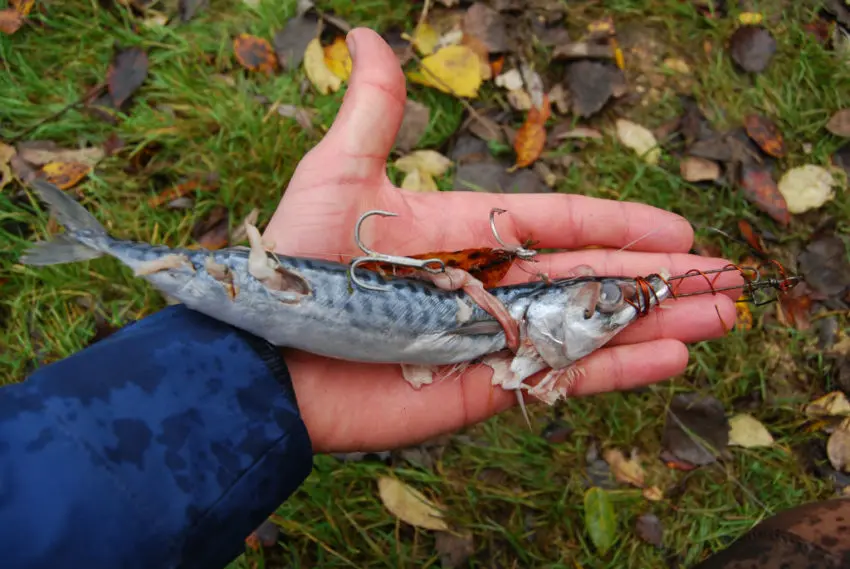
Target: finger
point(631, 264)
point(364, 131)
point(687, 320)
point(554, 221)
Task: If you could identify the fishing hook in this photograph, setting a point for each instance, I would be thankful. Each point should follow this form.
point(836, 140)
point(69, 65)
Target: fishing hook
point(373, 256)
point(518, 250)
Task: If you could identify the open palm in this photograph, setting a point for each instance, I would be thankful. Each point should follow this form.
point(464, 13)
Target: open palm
point(350, 406)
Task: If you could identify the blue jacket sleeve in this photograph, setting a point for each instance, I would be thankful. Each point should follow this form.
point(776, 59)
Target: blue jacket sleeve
point(163, 445)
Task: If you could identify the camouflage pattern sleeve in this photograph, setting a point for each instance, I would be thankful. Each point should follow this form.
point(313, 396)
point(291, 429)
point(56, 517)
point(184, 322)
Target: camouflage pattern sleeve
point(163, 445)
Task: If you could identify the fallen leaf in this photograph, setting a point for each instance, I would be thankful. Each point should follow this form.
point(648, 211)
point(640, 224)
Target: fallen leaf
point(255, 53)
point(304, 117)
point(127, 72)
point(10, 21)
point(752, 48)
point(696, 428)
point(564, 131)
point(6, 154)
point(322, 78)
point(531, 137)
point(452, 69)
point(64, 175)
point(766, 134)
point(752, 238)
point(839, 123)
point(759, 188)
point(583, 50)
point(188, 8)
point(509, 80)
point(40, 152)
point(678, 65)
point(557, 432)
point(653, 494)
point(591, 85)
point(425, 38)
point(338, 59)
point(493, 176)
point(640, 139)
point(806, 187)
point(746, 431)
point(743, 317)
point(628, 470)
point(409, 505)
point(838, 447)
point(211, 232)
point(824, 266)
point(291, 42)
point(429, 161)
point(750, 18)
point(266, 535)
point(600, 520)
point(519, 99)
point(648, 528)
point(794, 307)
point(182, 189)
point(419, 181)
point(830, 405)
point(487, 129)
point(453, 549)
point(696, 169)
point(488, 25)
point(414, 124)
point(22, 7)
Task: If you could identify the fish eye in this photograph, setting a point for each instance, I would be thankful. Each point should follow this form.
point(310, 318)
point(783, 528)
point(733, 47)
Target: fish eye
point(610, 297)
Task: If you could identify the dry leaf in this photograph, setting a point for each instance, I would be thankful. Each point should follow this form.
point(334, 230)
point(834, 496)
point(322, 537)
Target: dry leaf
point(744, 317)
point(39, 153)
point(640, 139)
point(291, 42)
point(696, 169)
point(766, 134)
point(23, 7)
point(838, 447)
point(839, 123)
point(425, 39)
point(6, 154)
point(454, 69)
point(10, 21)
point(752, 48)
point(428, 161)
point(531, 136)
point(653, 494)
point(759, 187)
point(419, 181)
point(181, 190)
point(696, 430)
point(648, 528)
point(488, 26)
point(746, 431)
point(750, 18)
point(338, 59)
point(211, 232)
point(519, 99)
point(830, 405)
point(65, 175)
point(126, 73)
point(806, 187)
point(626, 470)
point(255, 53)
point(453, 549)
point(322, 78)
point(409, 505)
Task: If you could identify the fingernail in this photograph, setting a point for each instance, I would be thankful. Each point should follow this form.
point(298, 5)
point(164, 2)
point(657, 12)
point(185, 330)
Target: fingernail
point(349, 40)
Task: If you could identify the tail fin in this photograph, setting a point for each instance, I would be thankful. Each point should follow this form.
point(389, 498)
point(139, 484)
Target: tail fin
point(83, 231)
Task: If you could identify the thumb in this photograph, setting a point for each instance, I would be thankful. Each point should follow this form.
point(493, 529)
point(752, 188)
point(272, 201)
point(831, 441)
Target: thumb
point(364, 131)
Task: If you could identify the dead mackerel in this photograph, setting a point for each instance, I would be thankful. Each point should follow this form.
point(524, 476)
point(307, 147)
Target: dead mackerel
point(311, 304)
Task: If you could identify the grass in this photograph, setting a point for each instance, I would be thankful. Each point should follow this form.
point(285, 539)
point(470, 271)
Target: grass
point(519, 496)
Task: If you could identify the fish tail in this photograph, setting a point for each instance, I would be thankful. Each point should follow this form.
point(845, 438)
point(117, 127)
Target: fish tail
point(84, 238)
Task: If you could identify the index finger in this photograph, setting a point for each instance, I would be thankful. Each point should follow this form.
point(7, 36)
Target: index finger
point(554, 221)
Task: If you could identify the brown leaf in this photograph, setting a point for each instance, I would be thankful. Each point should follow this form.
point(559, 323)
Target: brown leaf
point(453, 549)
point(304, 117)
point(254, 53)
point(212, 232)
point(414, 124)
point(64, 175)
point(10, 21)
point(750, 235)
point(291, 42)
point(648, 528)
point(531, 137)
point(487, 25)
point(41, 152)
point(591, 84)
point(824, 266)
point(759, 188)
point(766, 134)
point(841, 159)
point(181, 190)
point(707, 428)
point(839, 123)
point(188, 8)
point(794, 308)
point(486, 128)
point(838, 447)
point(492, 176)
point(127, 72)
point(696, 169)
point(628, 470)
point(23, 7)
point(752, 48)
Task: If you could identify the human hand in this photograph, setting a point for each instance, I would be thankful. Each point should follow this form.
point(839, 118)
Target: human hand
point(350, 406)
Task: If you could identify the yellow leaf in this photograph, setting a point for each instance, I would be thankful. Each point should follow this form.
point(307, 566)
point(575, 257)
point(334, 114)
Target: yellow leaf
point(428, 161)
point(640, 139)
point(806, 187)
point(425, 39)
point(744, 319)
point(625, 470)
point(746, 431)
point(337, 59)
point(750, 18)
point(831, 404)
point(65, 175)
point(409, 505)
point(419, 181)
point(653, 494)
point(454, 69)
point(6, 154)
point(317, 71)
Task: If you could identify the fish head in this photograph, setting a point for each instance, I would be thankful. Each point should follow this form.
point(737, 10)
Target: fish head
point(577, 316)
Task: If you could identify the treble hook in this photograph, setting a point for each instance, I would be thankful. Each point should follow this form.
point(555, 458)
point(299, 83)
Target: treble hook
point(518, 250)
point(374, 256)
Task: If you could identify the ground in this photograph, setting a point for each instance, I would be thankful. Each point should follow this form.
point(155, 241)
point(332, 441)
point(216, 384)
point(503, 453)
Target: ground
point(518, 493)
